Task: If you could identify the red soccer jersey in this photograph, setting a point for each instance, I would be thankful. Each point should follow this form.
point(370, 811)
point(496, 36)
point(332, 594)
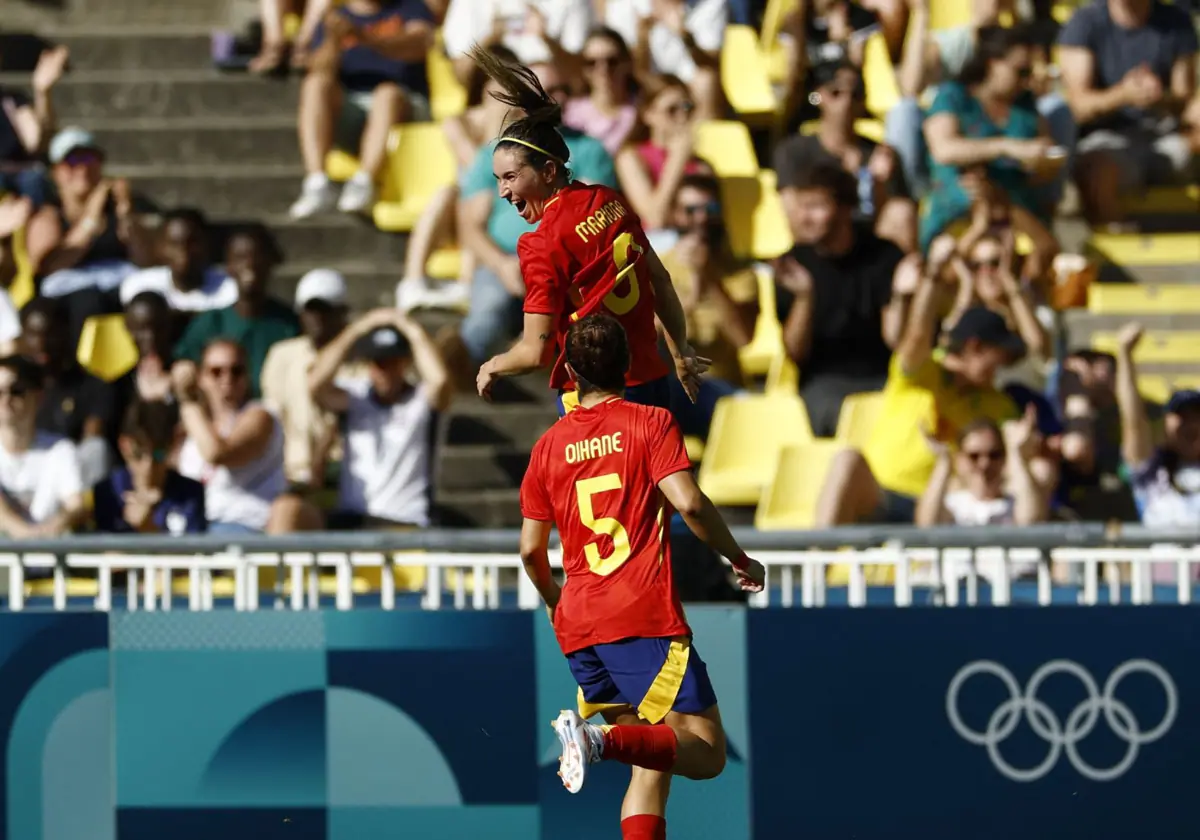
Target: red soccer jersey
point(588, 255)
point(595, 474)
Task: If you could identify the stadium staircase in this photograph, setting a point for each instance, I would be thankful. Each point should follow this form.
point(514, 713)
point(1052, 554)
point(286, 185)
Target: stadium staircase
point(184, 134)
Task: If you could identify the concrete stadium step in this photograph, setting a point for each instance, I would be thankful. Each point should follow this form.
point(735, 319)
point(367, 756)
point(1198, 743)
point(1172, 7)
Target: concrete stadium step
point(229, 190)
point(475, 422)
point(137, 48)
point(479, 508)
point(110, 96)
point(481, 467)
point(111, 13)
point(370, 284)
point(200, 141)
point(1083, 323)
point(327, 239)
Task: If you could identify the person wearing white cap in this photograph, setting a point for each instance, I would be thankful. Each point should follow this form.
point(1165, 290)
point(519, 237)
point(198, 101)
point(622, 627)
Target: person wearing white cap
point(308, 432)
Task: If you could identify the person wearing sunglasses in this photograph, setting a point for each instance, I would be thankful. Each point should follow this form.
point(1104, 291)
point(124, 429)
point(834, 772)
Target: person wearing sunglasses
point(41, 488)
point(145, 495)
point(235, 448)
point(607, 111)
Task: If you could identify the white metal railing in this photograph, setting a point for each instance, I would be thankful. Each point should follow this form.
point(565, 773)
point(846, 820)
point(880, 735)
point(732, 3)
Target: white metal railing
point(478, 580)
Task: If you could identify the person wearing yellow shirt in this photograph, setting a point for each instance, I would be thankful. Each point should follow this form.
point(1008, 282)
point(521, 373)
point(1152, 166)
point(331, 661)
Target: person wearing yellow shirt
point(928, 394)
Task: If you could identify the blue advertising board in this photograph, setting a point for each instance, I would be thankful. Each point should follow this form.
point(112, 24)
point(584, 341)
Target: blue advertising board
point(950, 723)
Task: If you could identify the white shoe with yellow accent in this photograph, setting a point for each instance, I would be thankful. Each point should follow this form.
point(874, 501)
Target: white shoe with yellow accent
point(578, 749)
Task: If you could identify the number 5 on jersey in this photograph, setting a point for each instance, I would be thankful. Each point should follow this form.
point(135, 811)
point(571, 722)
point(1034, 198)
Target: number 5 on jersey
point(585, 489)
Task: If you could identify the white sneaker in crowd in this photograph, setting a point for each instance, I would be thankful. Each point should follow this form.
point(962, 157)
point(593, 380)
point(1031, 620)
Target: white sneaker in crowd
point(317, 195)
point(358, 194)
point(421, 293)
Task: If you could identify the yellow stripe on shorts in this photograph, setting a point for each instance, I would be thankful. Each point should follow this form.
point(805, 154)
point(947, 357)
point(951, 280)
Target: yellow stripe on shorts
point(665, 688)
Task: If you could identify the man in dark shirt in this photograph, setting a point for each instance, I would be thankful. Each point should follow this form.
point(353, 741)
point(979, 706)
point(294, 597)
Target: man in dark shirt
point(145, 496)
point(75, 404)
point(834, 292)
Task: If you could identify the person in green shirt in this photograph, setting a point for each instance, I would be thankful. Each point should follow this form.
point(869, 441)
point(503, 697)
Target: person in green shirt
point(257, 320)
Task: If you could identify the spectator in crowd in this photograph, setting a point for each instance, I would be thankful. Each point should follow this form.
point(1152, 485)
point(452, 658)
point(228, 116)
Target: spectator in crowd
point(986, 278)
point(1165, 478)
point(187, 278)
point(989, 117)
point(13, 214)
point(607, 110)
point(386, 420)
point(467, 133)
point(257, 320)
point(369, 67)
point(235, 448)
point(925, 395)
point(679, 38)
point(74, 404)
point(994, 215)
point(146, 496)
point(652, 165)
point(41, 489)
point(719, 296)
point(1129, 71)
point(148, 320)
point(823, 32)
point(308, 431)
point(26, 126)
point(489, 229)
point(883, 197)
point(537, 31)
point(932, 58)
point(984, 461)
point(91, 237)
point(840, 292)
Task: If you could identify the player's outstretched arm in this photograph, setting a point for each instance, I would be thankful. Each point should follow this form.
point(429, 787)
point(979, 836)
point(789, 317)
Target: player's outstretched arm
point(668, 309)
point(533, 350)
point(535, 542)
point(706, 522)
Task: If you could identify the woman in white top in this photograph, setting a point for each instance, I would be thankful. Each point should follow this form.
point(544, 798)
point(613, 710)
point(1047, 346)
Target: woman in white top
point(235, 448)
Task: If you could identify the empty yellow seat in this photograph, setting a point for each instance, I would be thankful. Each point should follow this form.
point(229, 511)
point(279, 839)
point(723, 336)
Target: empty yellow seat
point(747, 433)
point(883, 91)
point(783, 377)
point(870, 128)
point(727, 147)
point(1136, 299)
point(745, 76)
point(1159, 388)
point(857, 418)
point(340, 165)
point(756, 357)
point(445, 264)
point(447, 98)
point(947, 14)
point(1156, 347)
point(754, 217)
point(1163, 200)
point(420, 163)
point(774, 16)
point(789, 501)
point(1155, 249)
point(105, 347)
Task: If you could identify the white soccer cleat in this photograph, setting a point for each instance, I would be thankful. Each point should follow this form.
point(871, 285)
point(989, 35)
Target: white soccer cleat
point(576, 750)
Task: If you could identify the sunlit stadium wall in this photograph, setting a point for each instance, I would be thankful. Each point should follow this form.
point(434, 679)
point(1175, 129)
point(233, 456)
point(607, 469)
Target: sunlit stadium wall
point(873, 723)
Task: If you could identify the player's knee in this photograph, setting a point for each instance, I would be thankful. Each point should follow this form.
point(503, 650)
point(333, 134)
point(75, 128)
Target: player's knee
point(712, 766)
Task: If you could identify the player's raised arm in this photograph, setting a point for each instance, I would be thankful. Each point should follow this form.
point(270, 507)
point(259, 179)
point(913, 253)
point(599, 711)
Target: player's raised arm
point(668, 309)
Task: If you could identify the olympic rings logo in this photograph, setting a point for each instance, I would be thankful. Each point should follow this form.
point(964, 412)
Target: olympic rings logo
point(1079, 724)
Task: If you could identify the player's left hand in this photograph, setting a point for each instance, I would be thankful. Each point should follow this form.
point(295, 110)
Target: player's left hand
point(752, 578)
point(689, 368)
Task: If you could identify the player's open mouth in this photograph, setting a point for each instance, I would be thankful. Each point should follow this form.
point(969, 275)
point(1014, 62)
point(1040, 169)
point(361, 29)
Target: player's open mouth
point(520, 204)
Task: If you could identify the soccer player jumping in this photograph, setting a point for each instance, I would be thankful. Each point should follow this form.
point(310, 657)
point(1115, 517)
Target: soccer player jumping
point(607, 475)
point(589, 254)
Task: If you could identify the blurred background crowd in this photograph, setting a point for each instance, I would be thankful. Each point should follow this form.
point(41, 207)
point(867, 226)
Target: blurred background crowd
point(942, 252)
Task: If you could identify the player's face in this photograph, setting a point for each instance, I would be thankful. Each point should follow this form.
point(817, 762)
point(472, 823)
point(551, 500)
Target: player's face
point(810, 214)
point(527, 189)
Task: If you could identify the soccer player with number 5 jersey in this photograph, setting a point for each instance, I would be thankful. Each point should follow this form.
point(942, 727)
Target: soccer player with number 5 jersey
point(608, 476)
point(589, 254)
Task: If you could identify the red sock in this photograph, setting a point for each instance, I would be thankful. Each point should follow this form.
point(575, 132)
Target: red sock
point(652, 747)
point(643, 827)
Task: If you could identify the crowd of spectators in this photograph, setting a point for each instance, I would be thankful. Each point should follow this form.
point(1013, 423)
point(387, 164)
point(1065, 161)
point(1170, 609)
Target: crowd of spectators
point(240, 408)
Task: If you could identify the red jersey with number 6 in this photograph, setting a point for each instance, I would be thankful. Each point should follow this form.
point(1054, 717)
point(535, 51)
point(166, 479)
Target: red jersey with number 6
point(595, 475)
point(588, 255)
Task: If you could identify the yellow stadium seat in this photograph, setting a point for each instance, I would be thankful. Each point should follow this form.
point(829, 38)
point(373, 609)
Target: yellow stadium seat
point(789, 501)
point(1156, 249)
point(947, 14)
point(444, 264)
point(420, 163)
point(754, 217)
point(872, 129)
point(1158, 389)
point(695, 448)
point(745, 75)
point(105, 347)
point(783, 377)
point(23, 287)
point(447, 98)
point(767, 343)
point(883, 91)
point(1163, 200)
point(747, 433)
point(773, 17)
point(340, 165)
point(857, 418)
point(1156, 347)
point(1136, 299)
point(727, 147)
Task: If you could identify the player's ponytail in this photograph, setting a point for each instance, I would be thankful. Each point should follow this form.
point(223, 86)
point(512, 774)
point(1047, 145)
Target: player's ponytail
point(598, 352)
point(537, 131)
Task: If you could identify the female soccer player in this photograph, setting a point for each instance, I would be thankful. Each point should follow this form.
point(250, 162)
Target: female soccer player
point(589, 254)
point(607, 475)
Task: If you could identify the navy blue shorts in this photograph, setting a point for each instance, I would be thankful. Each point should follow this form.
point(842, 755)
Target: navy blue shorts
point(656, 392)
point(652, 676)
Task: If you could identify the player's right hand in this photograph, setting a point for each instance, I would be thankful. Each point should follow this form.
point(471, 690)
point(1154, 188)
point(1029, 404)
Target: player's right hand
point(689, 368)
point(752, 578)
